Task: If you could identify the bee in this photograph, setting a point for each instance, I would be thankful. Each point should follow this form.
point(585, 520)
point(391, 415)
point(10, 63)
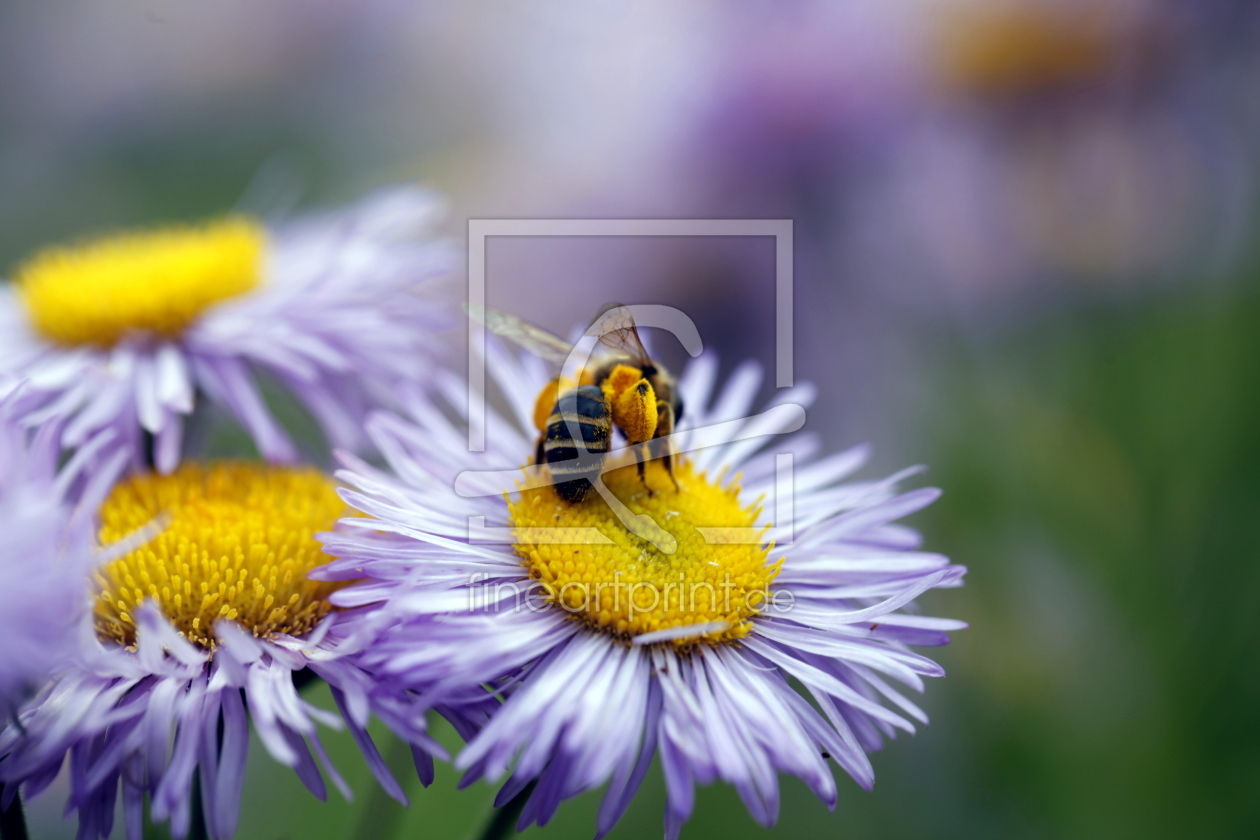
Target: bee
point(620, 387)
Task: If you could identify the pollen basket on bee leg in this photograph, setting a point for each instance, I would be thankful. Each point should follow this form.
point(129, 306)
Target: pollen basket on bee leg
point(632, 401)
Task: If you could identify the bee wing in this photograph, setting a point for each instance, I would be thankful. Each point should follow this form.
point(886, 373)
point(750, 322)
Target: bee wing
point(615, 328)
point(533, 338)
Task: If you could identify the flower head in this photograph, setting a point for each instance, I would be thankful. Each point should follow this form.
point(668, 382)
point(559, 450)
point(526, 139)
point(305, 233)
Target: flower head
point(157, 282)
point(239, 547)
point(205, 614)
point(647, 620)
point(126, 333)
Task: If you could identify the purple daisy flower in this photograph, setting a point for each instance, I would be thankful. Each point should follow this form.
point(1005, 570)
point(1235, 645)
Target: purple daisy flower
point(197, 630)
point(125, 332)
point(611, 642)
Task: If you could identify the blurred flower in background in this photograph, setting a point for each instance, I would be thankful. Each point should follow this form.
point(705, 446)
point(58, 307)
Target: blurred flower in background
point(1069, 141)
point(49, 550)
point(123, 333)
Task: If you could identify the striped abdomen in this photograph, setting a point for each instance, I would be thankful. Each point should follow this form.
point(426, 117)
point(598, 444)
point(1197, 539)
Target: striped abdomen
point(581, 412)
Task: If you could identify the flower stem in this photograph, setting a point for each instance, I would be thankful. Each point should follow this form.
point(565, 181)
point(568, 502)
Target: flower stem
point(197, 831)
point(380, 814)
point(303, 678)
point(13, 819)
point(503, 823)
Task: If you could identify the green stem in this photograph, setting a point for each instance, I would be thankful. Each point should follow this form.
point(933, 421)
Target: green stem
point(303, 678)
point(503, 824)
point(13, 820)
point(381, 814)
point(197, 830)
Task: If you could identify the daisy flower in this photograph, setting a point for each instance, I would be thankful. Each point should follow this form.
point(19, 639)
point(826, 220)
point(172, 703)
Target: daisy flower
point(127, 332)
point(193, 637)
point(684, 635)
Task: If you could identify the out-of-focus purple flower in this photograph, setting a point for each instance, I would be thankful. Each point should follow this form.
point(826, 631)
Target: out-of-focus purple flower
point(969, 149)
point(484, 590)
point(196, 636)
point(45, 559)
point(127, 333)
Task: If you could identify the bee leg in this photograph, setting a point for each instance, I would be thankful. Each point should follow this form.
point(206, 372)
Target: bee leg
point(640, 462)
point(631, 399)
point(664, 428)
point(643, 398)
point(661, 450)
point(538, 450)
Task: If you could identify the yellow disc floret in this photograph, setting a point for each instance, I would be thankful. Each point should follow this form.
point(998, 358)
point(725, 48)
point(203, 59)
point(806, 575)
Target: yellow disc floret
point(236, 542)
point(155, 282)
point(718, 575)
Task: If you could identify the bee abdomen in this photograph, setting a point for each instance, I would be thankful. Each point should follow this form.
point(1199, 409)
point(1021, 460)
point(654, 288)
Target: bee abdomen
point(579, 412)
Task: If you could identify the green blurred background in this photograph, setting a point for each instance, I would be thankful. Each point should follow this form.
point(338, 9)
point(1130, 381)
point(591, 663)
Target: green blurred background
point(1023, 258)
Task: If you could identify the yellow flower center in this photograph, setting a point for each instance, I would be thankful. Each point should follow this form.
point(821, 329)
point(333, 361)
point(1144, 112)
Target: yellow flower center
point(237, 542)
point(1012, 48)
point(155, 281)
point(718, 574)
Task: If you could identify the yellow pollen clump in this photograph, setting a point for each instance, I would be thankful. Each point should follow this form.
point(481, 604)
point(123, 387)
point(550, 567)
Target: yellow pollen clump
point(155, 282)
point(237, 542)
point(629, 587)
